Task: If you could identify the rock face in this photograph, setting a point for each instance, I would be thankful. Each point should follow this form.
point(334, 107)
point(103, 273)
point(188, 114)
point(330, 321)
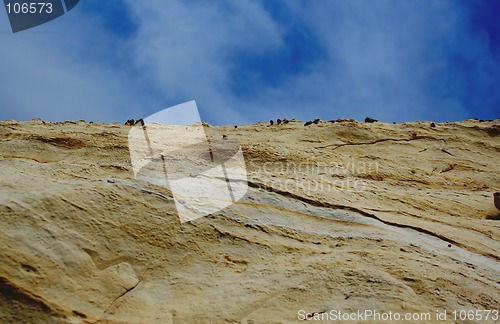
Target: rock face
point(341, 216)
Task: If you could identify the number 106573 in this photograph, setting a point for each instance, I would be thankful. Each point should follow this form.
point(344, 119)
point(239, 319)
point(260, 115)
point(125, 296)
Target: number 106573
point(29, 8)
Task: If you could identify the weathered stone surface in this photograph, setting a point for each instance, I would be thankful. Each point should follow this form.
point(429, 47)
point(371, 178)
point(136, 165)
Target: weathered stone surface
point(339, 216)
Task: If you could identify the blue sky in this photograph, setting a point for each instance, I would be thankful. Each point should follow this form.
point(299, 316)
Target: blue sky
point(249, 61)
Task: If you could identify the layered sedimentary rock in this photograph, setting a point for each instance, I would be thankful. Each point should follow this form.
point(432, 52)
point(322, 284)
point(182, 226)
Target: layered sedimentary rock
point(341, 216)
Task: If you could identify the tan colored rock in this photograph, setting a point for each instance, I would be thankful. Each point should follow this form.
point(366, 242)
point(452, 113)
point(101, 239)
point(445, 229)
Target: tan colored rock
point(346, 216)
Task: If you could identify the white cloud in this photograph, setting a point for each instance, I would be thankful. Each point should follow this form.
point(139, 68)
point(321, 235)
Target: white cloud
point(55, 72)
point(385, 59)
point(183, 48)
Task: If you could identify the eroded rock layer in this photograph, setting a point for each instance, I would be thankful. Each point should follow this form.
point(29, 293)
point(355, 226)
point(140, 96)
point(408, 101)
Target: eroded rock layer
point(340, 216)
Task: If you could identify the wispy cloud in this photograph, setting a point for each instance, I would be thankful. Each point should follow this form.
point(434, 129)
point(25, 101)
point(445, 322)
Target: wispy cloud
point(246, 61)
point(64, 70)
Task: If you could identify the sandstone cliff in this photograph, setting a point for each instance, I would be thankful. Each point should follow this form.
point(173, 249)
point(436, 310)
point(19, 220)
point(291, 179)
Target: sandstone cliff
point(339, 216)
